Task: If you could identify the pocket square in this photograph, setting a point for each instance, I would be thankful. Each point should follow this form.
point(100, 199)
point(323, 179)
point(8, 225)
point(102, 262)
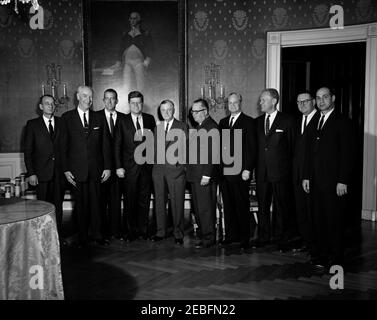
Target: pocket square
point(279, 130)
point(95, 128)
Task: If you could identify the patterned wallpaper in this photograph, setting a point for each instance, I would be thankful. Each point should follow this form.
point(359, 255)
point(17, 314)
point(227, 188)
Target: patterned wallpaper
point(25, 53)
point(232, 34)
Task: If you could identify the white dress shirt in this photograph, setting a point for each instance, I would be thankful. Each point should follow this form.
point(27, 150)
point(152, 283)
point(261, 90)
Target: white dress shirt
point(272, 118)
point(81, 114)
point(107, 113)
point(309, 117)
point(46, 120)
point(140, 121)
point(234, 118)
point(170, 124)
point(327, 115)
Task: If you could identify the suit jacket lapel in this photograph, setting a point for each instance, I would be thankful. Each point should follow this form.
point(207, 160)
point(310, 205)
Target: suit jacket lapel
point(237, 122)
point(78, 122)
point(56, 128)
point(174, 125)
point(274, 124)
point(328, 122)
point(91, 122)
point(43, 127)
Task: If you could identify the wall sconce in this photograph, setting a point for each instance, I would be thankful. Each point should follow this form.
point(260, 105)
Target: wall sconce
point(53, 84)
point(212, 81)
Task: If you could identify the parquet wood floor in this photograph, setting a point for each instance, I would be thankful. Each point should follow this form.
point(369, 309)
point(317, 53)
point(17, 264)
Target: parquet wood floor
point(144, 270)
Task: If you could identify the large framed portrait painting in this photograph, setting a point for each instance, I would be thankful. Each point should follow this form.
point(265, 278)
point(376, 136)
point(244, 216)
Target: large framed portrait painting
point(134, 45)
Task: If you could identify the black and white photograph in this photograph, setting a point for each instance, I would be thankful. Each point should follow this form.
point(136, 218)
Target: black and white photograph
point(188, 157)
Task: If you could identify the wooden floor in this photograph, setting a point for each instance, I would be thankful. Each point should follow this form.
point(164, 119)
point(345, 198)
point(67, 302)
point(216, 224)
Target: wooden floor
point(143, 270)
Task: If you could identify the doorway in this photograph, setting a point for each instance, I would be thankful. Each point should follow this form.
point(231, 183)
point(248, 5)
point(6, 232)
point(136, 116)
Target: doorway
point(342, 68)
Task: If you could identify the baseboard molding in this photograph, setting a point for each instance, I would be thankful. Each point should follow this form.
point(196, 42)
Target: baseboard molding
point(69, 201)
point(369, 215)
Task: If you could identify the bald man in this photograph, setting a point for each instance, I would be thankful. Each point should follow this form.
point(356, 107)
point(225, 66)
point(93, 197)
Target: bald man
point(329, 163)
point(86, 163)
point(170, 177)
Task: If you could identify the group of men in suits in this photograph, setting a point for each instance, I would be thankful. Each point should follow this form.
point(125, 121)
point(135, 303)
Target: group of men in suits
point(302, 167)
point(307, 162)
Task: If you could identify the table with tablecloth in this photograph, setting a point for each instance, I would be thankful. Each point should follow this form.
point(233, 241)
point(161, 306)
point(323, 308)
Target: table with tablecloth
point(30, 265)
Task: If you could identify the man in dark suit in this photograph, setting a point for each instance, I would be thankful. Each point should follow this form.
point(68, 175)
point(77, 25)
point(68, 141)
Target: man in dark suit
point(235, 188)
point(169, 172)
point(111, 189)
point(86, 163)
point(43, 144)
point(203, 174)
point(137, 177)
point(275, 133)
point(304, 125)
point(328, 170)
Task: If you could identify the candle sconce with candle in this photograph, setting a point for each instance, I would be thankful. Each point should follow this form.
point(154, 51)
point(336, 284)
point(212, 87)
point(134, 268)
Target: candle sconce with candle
point(211, 82)
point(55, 86)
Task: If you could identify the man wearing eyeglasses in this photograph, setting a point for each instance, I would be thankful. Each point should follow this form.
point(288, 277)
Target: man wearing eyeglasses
point(329, 163)
point(137, 177)
point(305, 123)
point(203, 176)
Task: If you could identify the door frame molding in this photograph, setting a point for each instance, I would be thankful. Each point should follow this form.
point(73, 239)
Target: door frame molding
point(356, 33)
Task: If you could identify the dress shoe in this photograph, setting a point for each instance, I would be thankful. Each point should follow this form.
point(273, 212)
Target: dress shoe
point(82, 245)
point(318, 264)
point(302, 249)
point(283, 247)
point(129, 238)
point(102, 242)
point(157, 238)
point(63, 242)
point(178, 241)
point(204, 244)
point(226, 242)
point(259, 244)
point(120, 238)
point(246, 245)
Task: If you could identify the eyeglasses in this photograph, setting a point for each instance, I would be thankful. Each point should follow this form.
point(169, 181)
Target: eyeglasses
point(303, 102)
point(197, 111)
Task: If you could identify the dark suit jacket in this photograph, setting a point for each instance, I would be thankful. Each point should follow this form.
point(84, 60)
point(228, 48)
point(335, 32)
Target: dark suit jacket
point(120, 116)
point(249, 144)
point(86, 155)
point(196, 171)
point(300, 146)
point(275, 151)
point(124, 143)
point(330, 156)
point(173, 169)
point(43, 156)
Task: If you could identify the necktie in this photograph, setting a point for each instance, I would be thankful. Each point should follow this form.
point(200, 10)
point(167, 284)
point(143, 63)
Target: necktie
point(50, 129)
point(167, 128)
point(268, 125)
point(231, 122)
point(111, 124)
point(320, 123)
point(85, 121)
point(303, 129)
point(138, 124)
